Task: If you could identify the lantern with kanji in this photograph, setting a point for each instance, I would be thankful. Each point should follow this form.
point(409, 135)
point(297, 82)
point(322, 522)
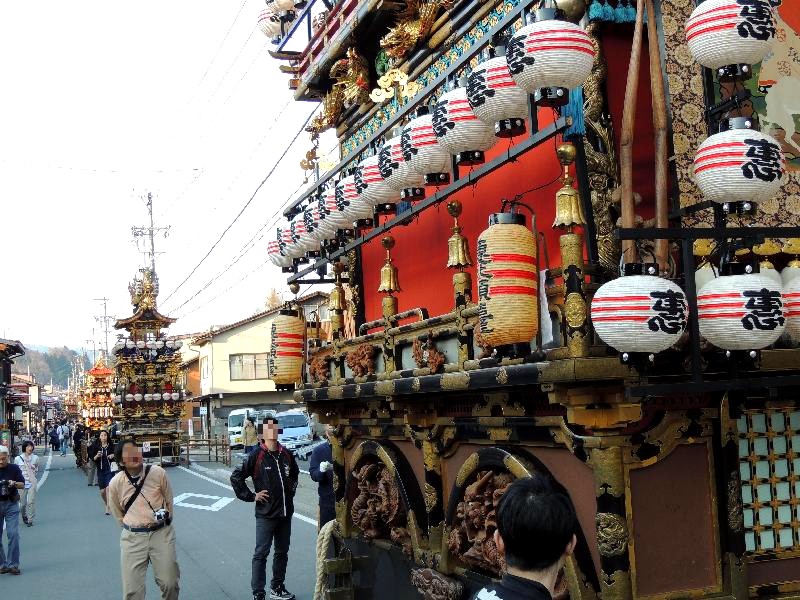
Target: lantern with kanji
point(311, 219)
point(275, 251)
point(287, 348)
point(741, 310)
point(355, 209)
point(458, 128)
point(336, 215)
point(290, 246)
point(494, 96)
point(731, 35)
point(422, 151)
point(397, 172)
point(508, 309)
point(740, 166)
point(639, 313)
point(327, 228)
point(300, 235)
point(550, 57)
point(372, 188)
point(791, 308)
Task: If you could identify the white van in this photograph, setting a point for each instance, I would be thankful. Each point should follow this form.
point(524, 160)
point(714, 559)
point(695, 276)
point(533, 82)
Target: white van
point(236, 423)
point(296, 429)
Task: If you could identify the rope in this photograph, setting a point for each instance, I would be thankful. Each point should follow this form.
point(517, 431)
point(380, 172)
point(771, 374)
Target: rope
point(323, 543)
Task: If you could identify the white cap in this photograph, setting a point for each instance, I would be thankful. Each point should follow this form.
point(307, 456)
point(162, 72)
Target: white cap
point(3, 450)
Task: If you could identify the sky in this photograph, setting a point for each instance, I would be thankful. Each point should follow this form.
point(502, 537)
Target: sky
point(103, 102)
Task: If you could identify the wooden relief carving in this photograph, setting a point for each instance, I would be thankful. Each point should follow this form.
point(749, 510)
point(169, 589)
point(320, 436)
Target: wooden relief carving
point(378, 510)
point(435, 586)
point(427, 355)
point(362, 360)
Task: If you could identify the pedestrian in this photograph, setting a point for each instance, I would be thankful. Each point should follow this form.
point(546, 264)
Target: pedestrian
point(531, 509)
point(63, 436)
point(105, 462)
point(250, 436)
point(77, 441)
point(28, 463)
point(141, 500)
point(91, 470)
point(320, 467)
point(55, 442)
point(11, 481)
point(274, 473)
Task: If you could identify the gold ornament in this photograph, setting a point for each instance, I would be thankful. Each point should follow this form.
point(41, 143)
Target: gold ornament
point(413, 24)
point(394, 83)
point(457, 246)
point(612, 534)
point(389, 281)
point(569, 211)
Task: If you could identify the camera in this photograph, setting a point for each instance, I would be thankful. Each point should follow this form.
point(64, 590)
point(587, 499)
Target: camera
point(162, 516)
point(5, 488)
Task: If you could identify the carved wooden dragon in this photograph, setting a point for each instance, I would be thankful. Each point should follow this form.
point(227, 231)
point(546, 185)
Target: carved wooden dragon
point(414, 24)
point(351, 86)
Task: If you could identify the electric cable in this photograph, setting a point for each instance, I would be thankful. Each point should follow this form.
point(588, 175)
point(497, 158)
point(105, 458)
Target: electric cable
point(249, 201)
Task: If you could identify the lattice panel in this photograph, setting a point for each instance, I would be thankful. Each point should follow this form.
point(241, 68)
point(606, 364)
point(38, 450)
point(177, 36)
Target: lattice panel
point(769, 466)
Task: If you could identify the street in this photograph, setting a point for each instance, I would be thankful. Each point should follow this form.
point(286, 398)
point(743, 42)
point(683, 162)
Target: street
point(72, 551)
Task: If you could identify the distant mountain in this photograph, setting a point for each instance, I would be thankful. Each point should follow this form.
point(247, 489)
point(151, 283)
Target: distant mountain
point(50, 363)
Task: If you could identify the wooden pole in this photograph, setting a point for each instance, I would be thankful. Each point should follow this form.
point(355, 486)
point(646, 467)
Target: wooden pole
point(626, 137)
point(660, 135)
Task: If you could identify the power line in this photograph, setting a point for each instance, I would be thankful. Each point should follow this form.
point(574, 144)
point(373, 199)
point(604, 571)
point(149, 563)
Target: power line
point(260, 185)
point(229, 288)
point(216, 54)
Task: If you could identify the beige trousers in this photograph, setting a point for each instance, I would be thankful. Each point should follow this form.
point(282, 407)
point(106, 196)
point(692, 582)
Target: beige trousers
point(157, 548)
point(27, 502)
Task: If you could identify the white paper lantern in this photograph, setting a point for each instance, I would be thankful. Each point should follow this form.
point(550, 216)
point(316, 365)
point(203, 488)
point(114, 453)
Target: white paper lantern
point(422, 151)
point(137, 397)
point(336, 216)
point(327, 228)
point(739, 165)
point(159, 345)
point(350, 200)
point(494, 96)
point(169, 344)
point(550, 54)
point(741, 312)
point(639, 313)
point(300, 234)
point(178, 343)
point(288, 245)
point(790, 273)
point(704, 273)
point(726, 32)
point(129, 397)
point(156, 397)
point(176, 396)
point(397, 172)
point(459, 130)
point(148, 397)
point(130, 344)
point(317, 215)
point(269, 23)
point(791, 308)
point(311, 242)
point(140, 345)
point(371, 187)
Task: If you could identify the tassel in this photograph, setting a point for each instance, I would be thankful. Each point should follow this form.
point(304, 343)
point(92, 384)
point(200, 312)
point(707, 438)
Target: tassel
point(630, 12)
point(608, 13)
point(574, 109)
point(619, 12)
point(595, 11)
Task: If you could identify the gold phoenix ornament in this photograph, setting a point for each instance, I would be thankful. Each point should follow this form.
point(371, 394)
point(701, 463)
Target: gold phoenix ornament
point(569, 211)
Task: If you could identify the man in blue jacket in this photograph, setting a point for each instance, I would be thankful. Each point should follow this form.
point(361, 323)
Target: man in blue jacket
point(320, 467)
point(274, 473)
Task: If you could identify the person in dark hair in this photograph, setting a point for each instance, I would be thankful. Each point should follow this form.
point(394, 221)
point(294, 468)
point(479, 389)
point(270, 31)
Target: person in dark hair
point(275, 475)
point(536, 527)
point(28, 463)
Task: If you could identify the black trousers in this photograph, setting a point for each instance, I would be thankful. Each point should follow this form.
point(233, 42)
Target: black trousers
point(267, 530)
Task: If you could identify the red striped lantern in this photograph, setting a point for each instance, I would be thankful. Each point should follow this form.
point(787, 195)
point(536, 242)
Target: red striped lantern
point(550, 54)
point(508, 308)
point(300, 234)
point(372, 188)
point(722, 33)
point(327, 228)
point(310, 240)
point(335, 210)
point(742, 311)
point(639, 313)
point(290, 246)
point(739, 165)
point(397, 172)
point(422, 151)
point(459, 130)
point(275, 252)
point(791, 308)
point(287, 348)
point(347, 197)
point(496, 99)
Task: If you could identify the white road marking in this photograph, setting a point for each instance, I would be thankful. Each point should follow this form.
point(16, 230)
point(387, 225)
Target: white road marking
point(304, 472)
point(297, 516)
point(40, 483)
point(216, 506)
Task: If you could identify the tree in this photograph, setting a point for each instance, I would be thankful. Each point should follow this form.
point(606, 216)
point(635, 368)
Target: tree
point(273, 300)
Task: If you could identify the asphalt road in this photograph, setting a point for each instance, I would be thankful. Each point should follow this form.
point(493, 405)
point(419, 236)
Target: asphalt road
point(72, 551)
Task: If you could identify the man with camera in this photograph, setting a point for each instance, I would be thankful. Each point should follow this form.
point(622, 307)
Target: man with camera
point(274, 473)
point(11, 481)
point(141, 500)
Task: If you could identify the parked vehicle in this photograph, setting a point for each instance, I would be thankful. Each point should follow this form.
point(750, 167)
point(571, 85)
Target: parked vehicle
point(236, 423)
point(296, 431)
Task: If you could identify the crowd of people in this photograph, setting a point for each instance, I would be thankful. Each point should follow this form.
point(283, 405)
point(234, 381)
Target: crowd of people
point(140, 497)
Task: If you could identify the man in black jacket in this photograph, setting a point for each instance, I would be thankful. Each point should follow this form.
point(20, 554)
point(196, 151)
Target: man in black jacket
point(274, 473)
point(320, 467)
point(531, 509)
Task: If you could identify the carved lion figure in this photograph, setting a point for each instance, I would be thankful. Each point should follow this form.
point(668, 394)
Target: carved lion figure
point(318, 369)
point(362, 360)
point(378, 510)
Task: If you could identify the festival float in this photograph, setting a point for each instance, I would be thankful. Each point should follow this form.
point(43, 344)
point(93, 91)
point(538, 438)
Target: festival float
point(579, 260)
point(97, 400)
point(149, 403)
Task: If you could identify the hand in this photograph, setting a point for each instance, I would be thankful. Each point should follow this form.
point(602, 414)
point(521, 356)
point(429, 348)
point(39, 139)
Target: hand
point(262, 496)
point(96, 456)
point(110, 456)
point(325, 466)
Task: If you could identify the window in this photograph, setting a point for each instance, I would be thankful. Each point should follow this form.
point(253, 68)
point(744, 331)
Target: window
point(292, 420)
point(769, 467)
point(204, 367)
point(248, 366)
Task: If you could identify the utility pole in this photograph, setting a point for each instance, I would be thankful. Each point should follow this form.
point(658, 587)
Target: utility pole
point(105, 319)
point(150, 232)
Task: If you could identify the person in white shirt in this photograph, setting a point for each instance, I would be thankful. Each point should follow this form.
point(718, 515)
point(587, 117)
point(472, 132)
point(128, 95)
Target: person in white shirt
point(28, 463)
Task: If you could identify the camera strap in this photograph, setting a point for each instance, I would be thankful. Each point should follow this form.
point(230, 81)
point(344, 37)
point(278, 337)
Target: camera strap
point(136, 487)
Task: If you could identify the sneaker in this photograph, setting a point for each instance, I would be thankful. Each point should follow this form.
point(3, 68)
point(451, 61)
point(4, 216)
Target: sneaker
point(4, 570)
point(14, 570)
point(280, 593)
point(259, 595)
